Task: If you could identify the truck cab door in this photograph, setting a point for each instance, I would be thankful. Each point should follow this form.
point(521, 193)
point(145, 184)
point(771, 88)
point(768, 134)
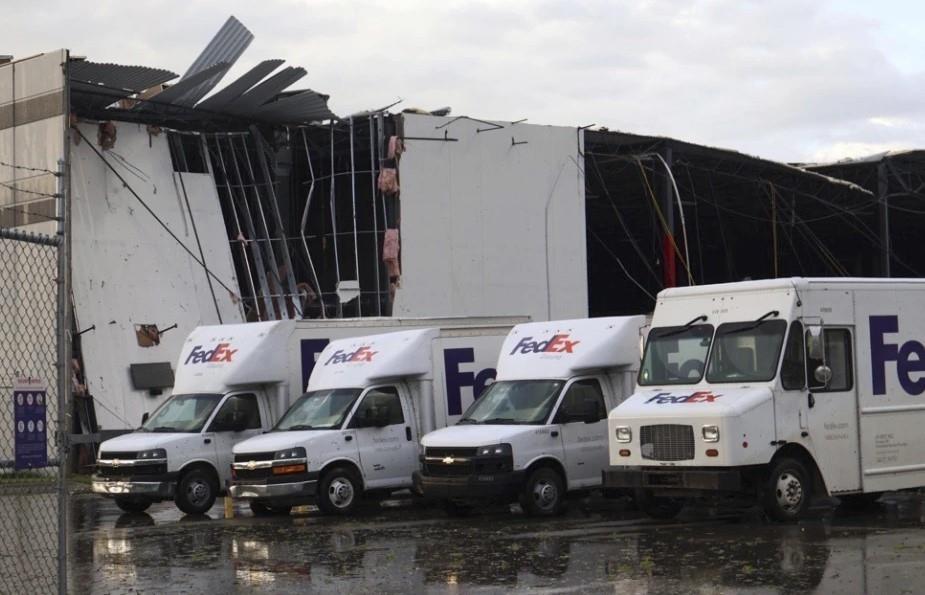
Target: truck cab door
point(238, 418)
point(385, 438)
point(833, 412)
point(582, 420)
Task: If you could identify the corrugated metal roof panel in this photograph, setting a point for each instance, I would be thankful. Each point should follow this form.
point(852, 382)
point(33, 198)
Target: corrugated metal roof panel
point(303, 106)
point(118, 76)
point(178, 93)
point(237, 88)
point(226, 47)
point(266, 90)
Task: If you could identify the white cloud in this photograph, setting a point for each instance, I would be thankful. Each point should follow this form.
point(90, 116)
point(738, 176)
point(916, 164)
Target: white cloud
point(791, 80)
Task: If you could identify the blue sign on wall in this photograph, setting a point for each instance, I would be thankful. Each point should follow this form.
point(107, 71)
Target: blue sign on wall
point(30, 430)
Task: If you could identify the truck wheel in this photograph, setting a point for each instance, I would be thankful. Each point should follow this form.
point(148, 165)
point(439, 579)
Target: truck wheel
point(658, 507)
point(261, 509)
point(543, 493)
point(339, 491)
point(196, 491)
point(133, 504)
point(788, 491)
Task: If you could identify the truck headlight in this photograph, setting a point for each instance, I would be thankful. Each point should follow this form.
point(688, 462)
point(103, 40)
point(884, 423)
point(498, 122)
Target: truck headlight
point(624, 434)
point(494, 450)
point(710, 433)
point(290, 453)
point(154, 453)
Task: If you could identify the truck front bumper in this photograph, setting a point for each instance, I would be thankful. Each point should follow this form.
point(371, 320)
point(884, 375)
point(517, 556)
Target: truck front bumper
point(496, 486)
point(159, 487)
point(706, 479)
point(302, 488)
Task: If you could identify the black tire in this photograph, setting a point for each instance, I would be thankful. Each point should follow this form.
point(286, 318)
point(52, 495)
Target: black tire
point(261, 509)
point(859, 502)
point(543, 493)
point(456, 509)
point(196, 491)
point(788, 491)
point(658, 507)
point(133, 504)
point(339, 491)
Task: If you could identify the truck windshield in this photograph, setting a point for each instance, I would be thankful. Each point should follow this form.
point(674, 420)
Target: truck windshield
point(746, 351)
point(182, 413)
point(514, 402)
point(319, 410)
point(676, 354)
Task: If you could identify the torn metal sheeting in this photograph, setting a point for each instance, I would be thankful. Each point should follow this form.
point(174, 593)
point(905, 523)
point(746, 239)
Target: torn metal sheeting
point(117, 76)
point(239, 86)
point(178, 94)
point(304, 106)
point(265, 91)
point(225, 48)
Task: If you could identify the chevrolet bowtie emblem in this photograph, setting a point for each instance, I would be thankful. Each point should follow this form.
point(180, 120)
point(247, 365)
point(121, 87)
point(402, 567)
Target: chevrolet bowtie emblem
point(449, 460)
point(251, 465)
point(115, 462)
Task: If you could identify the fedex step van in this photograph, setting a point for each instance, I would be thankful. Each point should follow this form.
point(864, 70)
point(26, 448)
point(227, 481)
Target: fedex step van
point(540, 430)
point(233, 382)
point(778, 390)
point(356, 431)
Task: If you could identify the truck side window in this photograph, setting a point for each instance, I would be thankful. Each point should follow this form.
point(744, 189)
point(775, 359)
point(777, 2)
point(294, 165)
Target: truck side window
point(837, 344)
point(379, 399)
point(792, 375)
point(236, 409)
point(583, 401)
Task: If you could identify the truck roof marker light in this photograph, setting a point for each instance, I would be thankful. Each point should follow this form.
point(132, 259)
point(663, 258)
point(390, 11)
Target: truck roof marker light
point(712, 452)
point(624, 452)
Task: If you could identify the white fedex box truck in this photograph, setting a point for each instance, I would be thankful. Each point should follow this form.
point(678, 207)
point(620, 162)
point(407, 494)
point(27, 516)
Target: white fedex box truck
point(778, 390)
point(540, 430)
point(234, 381)
point(355, 433)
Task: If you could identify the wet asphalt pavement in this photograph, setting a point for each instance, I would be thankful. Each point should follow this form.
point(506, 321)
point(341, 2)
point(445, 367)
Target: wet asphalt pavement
point(405, 547)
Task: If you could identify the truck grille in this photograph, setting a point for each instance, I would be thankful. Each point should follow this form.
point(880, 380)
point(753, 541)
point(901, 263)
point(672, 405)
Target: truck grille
point(448, 461)
point(130, 471)
point(667, 442)
point(253, 456)
point(123, 455)
point(265, 473)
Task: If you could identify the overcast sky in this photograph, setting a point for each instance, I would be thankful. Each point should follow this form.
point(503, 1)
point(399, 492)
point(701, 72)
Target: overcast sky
point(795, 80)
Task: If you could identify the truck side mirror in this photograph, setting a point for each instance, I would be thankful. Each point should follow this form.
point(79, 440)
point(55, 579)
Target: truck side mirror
point(823, 375)
point(144, 417)
point(815, 347)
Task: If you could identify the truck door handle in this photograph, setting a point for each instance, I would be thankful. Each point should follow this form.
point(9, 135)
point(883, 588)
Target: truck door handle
point(554, 433)
point(348, 438)
point(408, 433)
point(208, 441)
point(811, 400)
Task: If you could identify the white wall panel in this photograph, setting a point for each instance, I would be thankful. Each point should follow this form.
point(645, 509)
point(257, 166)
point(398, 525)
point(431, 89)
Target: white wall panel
point(127, 270)
point(491, 228)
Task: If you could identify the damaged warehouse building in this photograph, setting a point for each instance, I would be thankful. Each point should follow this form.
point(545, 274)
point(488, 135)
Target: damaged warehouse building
point(193, 202)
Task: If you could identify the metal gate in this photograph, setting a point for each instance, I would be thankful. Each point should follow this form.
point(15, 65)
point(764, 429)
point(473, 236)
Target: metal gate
point(34, 383)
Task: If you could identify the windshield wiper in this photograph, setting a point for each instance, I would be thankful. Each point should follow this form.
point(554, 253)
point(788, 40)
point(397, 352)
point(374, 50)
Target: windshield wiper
point(466, 420)
point(500, 420)
point(678, 331)
point(755, 324)
point(164, 429)
point(300, 427)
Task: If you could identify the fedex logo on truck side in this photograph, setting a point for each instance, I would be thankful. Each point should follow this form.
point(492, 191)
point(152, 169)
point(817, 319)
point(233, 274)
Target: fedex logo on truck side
point(702, 396)
point(559, 343)
point(219, 353)
point(362, 354)
point(909, 357)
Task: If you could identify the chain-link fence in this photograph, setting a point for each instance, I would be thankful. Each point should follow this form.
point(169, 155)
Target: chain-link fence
point(32, 456)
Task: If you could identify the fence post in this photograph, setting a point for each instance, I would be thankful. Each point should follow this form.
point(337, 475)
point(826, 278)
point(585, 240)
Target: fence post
point(63, 331)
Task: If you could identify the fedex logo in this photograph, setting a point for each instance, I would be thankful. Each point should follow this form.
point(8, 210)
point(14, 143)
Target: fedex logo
point(701, 396)
point(456, 379)
point(219, 353)
point(362, 354)
point(909, 357)
point(555, 344)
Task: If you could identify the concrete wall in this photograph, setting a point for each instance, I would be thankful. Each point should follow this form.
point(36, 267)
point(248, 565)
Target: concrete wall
point(491, 228)
point(127, 270)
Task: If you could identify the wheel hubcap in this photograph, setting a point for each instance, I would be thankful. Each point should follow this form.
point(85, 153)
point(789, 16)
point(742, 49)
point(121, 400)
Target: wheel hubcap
point(789, 492)
point(545, 494)
point(198, 492)
point(340, 492)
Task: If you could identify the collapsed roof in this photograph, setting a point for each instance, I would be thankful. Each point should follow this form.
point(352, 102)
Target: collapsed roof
point(136, 93)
